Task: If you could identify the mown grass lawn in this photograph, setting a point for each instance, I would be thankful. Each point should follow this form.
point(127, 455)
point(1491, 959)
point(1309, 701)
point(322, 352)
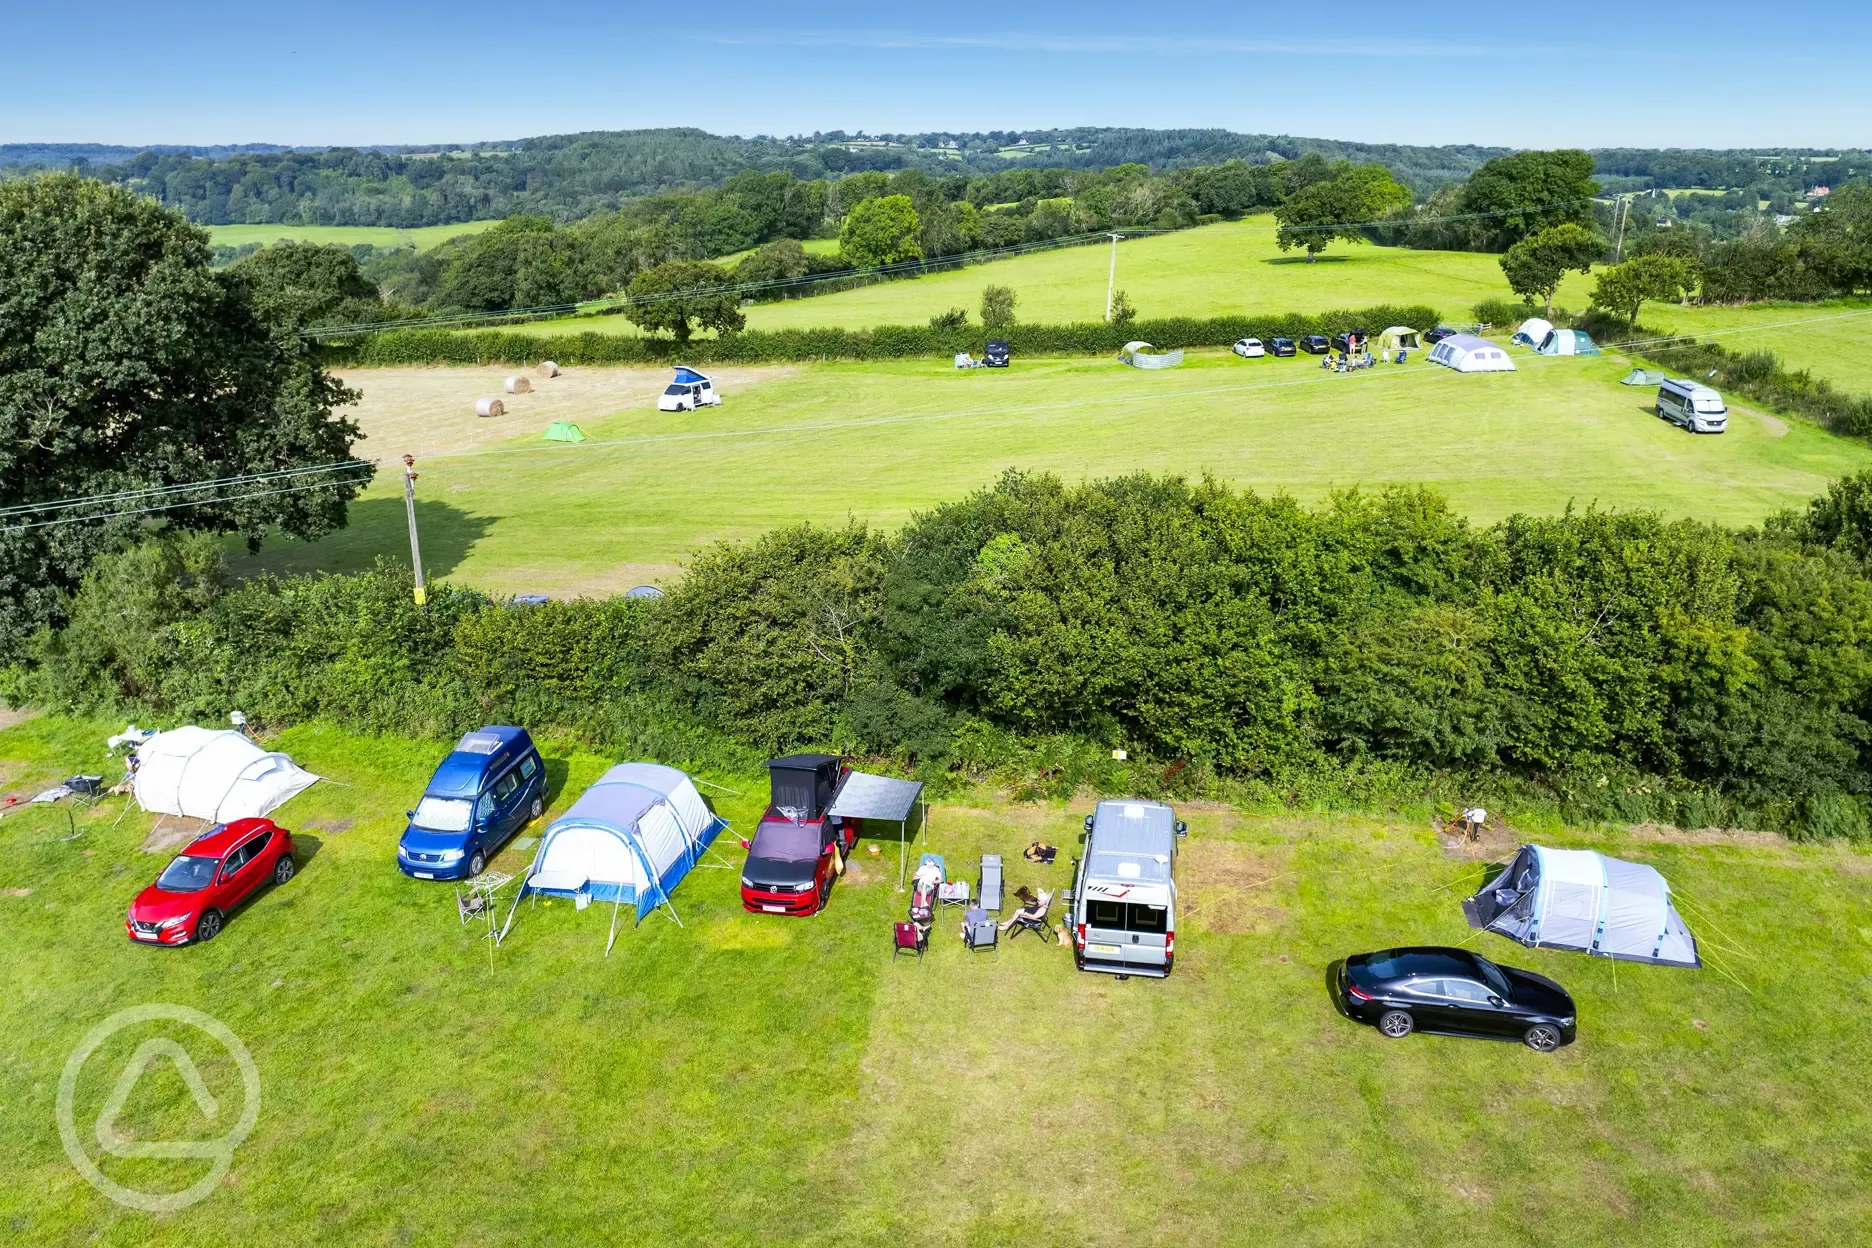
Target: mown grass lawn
point(1213, 270)
point(743, 1080)
point(881, 441)
point(1831, 340)
point(422, 238)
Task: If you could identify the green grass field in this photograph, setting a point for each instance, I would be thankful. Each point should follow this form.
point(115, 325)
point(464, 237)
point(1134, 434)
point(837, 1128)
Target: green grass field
point(1831, 340)
point(743, 1080)
point(1213, 270)
point(423, 239)
point(812, 247)
point(881, 441)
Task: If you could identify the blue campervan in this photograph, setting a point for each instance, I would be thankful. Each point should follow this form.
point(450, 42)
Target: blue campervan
point(491, 785)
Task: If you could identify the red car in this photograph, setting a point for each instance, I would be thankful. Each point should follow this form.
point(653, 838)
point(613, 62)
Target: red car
point(793, 858)
point(203, 884)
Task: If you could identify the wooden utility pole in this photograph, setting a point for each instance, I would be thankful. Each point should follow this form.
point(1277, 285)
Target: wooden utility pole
point(1111, 278)
point(415, 548)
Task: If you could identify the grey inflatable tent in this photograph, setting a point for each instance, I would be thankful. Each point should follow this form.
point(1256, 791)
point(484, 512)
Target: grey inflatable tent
point(1583, 901)
point(1643, 377)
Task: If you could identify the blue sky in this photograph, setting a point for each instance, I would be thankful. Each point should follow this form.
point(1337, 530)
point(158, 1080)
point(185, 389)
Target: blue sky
point(1585, 72)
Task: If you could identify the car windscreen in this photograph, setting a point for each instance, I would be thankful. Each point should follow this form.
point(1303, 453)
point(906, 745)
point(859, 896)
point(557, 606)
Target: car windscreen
point(443, 814)
point(187, 874)
point(786, 841)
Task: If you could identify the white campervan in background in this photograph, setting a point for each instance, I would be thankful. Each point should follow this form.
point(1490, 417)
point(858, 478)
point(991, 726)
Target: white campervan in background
point(1694, 406)
point(689, 391)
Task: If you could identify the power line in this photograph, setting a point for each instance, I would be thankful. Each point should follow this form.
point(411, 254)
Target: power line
point(60, 504)
point(199, 502)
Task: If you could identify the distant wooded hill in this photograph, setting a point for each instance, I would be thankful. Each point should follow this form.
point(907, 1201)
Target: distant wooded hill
point(571, 176)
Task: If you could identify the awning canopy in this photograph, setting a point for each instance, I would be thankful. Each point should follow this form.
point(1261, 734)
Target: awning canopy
point(865, 796)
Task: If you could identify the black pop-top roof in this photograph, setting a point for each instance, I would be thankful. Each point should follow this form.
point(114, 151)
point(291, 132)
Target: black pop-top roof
point(804, 782)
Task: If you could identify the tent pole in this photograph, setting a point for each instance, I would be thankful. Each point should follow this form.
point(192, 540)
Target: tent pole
point(616, 902)
point(903, 834)
point(510, 915)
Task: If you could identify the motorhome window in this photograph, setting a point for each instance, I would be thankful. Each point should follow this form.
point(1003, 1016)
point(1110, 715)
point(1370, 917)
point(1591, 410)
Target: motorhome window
point(1141, 918)
point(504, 787)
point(1105, 914)
point(528, 766)
point(1116, 865)
point(486, 806)
point(479, 743)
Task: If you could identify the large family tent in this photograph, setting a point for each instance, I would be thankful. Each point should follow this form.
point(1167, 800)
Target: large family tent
point(629, 839)
point(1567, 342)
point(1468, 354)
point(1143, 355)
point(216, 776)
point(1398, 338)
point(1532, 331)
point(1581, 900)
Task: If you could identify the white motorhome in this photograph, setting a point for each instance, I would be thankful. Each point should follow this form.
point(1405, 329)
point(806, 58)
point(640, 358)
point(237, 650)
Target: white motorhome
point(1694, 406)
point(1123, 903)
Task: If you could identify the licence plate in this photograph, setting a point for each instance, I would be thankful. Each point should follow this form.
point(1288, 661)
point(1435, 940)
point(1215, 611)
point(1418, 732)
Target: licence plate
point(1101, 948)
point(774, 909)
point(422, 875)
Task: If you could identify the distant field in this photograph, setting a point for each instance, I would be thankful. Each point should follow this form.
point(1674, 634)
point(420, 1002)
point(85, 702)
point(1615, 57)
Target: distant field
point(1832, 340)
point(881, 441)
point(1214, 270)
point(812, 246)
point(344, 235)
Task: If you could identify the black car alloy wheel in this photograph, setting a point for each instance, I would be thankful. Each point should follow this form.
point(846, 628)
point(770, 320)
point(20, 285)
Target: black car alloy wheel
point(1542, 1038)
point(1395, 1024)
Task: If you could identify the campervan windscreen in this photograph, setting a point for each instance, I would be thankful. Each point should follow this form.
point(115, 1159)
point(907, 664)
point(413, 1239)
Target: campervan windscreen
point(786, 841)
point(443, 814)
point(675, 390)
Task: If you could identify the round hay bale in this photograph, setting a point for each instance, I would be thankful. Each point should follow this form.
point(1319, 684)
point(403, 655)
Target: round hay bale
point(490, 407)
point(519, 385)
point(547, 369)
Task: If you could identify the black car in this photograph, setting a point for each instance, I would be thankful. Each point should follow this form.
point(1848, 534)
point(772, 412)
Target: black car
point(1438, 335)
point(1353, 340)
point(1315, 344)
point(1453, 992)
point(996, 354)
point(1280, 346)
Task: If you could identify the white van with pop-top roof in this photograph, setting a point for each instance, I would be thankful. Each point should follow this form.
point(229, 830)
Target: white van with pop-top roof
point(1123, 905)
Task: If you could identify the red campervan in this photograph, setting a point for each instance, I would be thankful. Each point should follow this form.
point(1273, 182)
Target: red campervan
point(202, 885)
point(799, 848)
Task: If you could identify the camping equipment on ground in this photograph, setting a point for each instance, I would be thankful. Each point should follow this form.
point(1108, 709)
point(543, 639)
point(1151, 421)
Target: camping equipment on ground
point(881, 799)
point(996, 354)
point(1532, 331)
point(1043, 854)
point(1399, 338)
point(490, 407)
point(953, 893)
point(1033, 918)
point(963, 361)
point(908, 938)
point(215, 776)
point(1143, 355)
point(519, 385)
point(131, 736)
point(630, 838)
point(978, 930)
point(688, 391)
point(564, 431)
point(1567, 342)
point(57, 793)
point(991, 882)
point(1644, 377)
point(1468, 354)
point(1583, 901)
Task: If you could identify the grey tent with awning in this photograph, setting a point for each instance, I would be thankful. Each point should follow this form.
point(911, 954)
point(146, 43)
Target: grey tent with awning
point(1584, 901)
point(882, 798)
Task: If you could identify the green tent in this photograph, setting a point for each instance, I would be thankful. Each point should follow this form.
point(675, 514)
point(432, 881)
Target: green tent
point(564, 431)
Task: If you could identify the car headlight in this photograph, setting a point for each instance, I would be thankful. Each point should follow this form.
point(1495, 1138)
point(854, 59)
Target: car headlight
point(178, 921)
point(450, 855)
point(1567, 1021)
point(746, 883)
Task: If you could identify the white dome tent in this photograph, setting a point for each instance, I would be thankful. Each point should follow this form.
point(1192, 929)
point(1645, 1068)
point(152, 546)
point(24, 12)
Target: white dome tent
point(1532, 331)
point(1583, 901)
point(215, 776)
point(629, 839)
point(1468, 354)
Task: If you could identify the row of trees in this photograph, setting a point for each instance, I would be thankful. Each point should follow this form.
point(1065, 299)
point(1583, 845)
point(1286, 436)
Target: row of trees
point(1635, 666)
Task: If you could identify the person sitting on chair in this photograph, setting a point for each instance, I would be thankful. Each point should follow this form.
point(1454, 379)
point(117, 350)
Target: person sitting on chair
point(974, 916)
point(1030, 907)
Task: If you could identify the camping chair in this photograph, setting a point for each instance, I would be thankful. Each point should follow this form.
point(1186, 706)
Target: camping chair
point(991, 883)
point(1035, 920)
point(908, 938)
point(937, 859)
point(984, 933)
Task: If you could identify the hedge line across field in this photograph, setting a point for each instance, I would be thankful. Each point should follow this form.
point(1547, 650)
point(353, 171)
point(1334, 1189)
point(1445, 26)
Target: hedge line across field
point(885, 342)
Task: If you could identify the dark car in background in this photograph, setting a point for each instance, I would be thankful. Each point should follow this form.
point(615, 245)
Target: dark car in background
point(1453, 992)
point(1438, 335)
point(1280, 346)
point(1351, 341)
point(996, 354)
point(1315, 344)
